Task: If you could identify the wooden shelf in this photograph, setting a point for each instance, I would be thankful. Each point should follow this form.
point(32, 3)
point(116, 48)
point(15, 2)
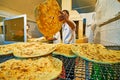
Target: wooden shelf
point(110, 20)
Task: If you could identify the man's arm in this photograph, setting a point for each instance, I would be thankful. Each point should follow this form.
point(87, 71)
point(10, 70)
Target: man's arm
point(71, 24)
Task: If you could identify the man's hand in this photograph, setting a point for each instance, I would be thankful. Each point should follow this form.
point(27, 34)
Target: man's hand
point(51, 39)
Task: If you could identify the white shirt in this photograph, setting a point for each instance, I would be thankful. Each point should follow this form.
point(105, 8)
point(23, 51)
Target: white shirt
point(58, 38)
point(68, 35)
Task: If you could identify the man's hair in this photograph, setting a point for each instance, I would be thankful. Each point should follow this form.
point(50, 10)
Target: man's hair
point(66, 11)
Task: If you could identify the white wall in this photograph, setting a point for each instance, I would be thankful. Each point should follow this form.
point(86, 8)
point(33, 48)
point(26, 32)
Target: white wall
point(109, 33)
point(106, 9)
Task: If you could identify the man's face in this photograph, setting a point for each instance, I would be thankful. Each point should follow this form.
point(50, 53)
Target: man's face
point(67, 16)
point(63, 16)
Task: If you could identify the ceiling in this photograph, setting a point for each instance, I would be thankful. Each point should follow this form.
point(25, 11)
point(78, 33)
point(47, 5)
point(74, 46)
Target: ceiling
point(28, 6)
point(83, 6)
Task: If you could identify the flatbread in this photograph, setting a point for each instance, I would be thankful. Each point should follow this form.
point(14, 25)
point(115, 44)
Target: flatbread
point(96, 53)
point(47, 18)
point(27, 50)
point(6, 49)
point(64, 50)
point(41, 39)
point(44, 68)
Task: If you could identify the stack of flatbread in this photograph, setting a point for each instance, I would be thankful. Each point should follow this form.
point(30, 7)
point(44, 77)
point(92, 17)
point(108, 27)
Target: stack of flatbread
point(46, 68)
point(40, 68)
point(96, 53)
point(32, 62)
point(64, 50)
point(27, 50)
point(33, 49)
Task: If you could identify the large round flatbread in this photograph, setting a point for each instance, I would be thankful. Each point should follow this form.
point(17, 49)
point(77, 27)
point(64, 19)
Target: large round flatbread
point(44, 68)
point(33, 49)
point(47, 17)
point(64, 50)
point(96, 53)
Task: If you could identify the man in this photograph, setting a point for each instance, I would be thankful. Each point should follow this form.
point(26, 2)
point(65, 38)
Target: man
point(27, 30)
point(68, 35)
point(68, 28)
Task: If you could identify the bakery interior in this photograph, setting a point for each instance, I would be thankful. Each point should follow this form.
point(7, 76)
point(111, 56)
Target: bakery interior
point(97, 22)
